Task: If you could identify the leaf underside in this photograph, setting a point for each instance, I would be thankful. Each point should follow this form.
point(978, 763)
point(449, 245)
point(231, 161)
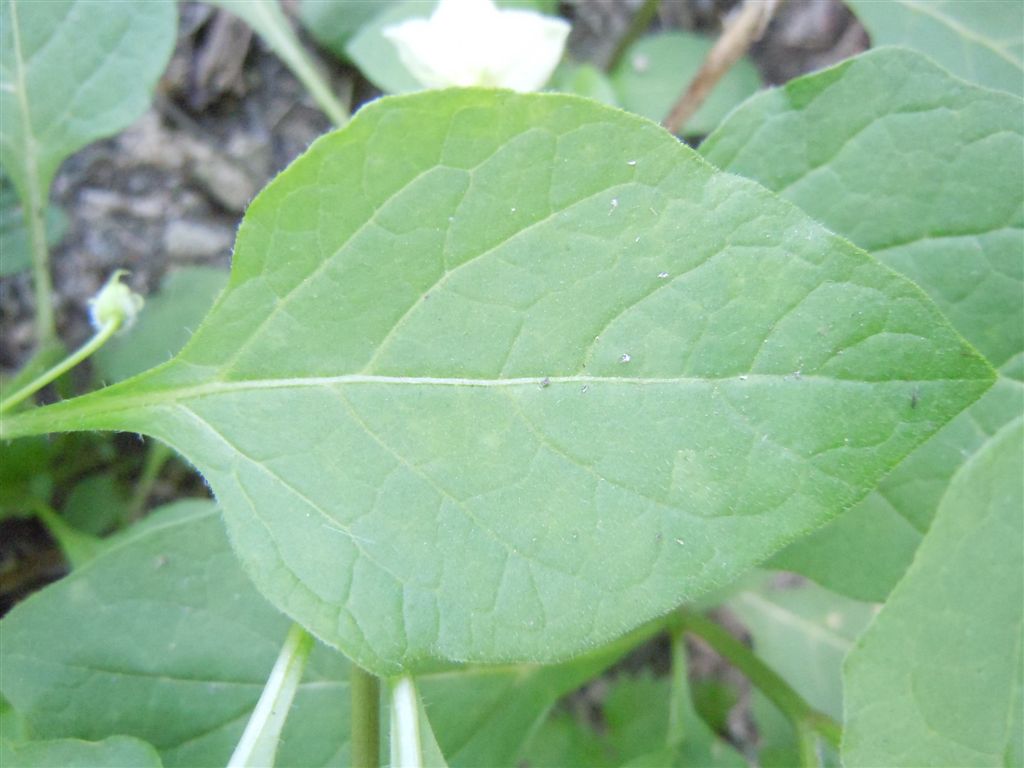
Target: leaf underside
point(500, 377)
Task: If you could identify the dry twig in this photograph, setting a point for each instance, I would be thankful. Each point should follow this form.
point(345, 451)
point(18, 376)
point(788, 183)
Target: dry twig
point(742, 28)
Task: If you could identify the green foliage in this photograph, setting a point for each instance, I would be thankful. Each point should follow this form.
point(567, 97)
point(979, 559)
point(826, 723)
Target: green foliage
point(71, 72)
point(497, 446)
point(507, 379)
point(804, 633)
point(333, 22)
point(655, 70)
point(911, 164)
point(150, 616)
point(15, 253)
point(115, 752)
point(936, 679)
point(981, 40)
point(643, 721)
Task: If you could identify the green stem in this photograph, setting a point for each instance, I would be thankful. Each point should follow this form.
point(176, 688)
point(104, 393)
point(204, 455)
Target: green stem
point(69, 362)
point(258, 745)
point(807, 744)
point(34, 202)
point(275, 28)
point(157, 455)
point(637, 26)
point(365, 737)
point(781, 694)
point(680, 701)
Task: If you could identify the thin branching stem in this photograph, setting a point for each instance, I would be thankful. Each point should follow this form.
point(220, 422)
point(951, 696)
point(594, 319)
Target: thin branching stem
point(742, 28)
point(781, 694)
point(365, 718)
point(637, 26)
point(52, 374)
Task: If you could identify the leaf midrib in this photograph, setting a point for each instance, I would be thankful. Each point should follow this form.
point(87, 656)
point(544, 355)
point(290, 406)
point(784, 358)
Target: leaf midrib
point(29, 142)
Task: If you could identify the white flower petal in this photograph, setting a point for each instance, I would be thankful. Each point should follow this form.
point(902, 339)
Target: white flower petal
point(472, 42)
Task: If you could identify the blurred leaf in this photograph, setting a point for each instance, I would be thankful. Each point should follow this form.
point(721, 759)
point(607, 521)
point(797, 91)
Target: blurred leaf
point(635, 731)
point(980, 40)
point(333, 22)
point(96, 504)
point(166, 322)
point(15, 255)
point(72, 72)
point(804, 633)
point(936, 679)
point(584, 80)
point(115, 752)
point(656, 69)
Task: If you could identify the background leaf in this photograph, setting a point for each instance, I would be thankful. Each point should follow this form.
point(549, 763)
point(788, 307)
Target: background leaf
point(911, 164)
point(980, 40)
point(333, 22)
point(634, 731)
point(936, 679)
point(14, 249)
point(804, 633)
point(71, 72)
point(655, 70)
point(174, 640)
point(453, 378)
point(115, 752)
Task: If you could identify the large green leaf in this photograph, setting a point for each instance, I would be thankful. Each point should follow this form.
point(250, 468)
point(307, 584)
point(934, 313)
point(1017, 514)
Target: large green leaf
point(71, 72)
point(981, 40)
point(937, 678)
point(913, 165)
point(500, 377)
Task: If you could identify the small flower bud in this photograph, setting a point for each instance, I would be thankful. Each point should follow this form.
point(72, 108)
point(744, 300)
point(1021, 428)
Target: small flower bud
point(115, 303)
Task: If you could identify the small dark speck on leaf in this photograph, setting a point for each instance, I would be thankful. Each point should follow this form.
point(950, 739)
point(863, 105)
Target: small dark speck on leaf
point(914, 397)
point(545, 383)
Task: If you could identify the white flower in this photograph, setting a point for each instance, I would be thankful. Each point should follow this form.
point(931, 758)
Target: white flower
point(115, 303)
point(472, 42)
